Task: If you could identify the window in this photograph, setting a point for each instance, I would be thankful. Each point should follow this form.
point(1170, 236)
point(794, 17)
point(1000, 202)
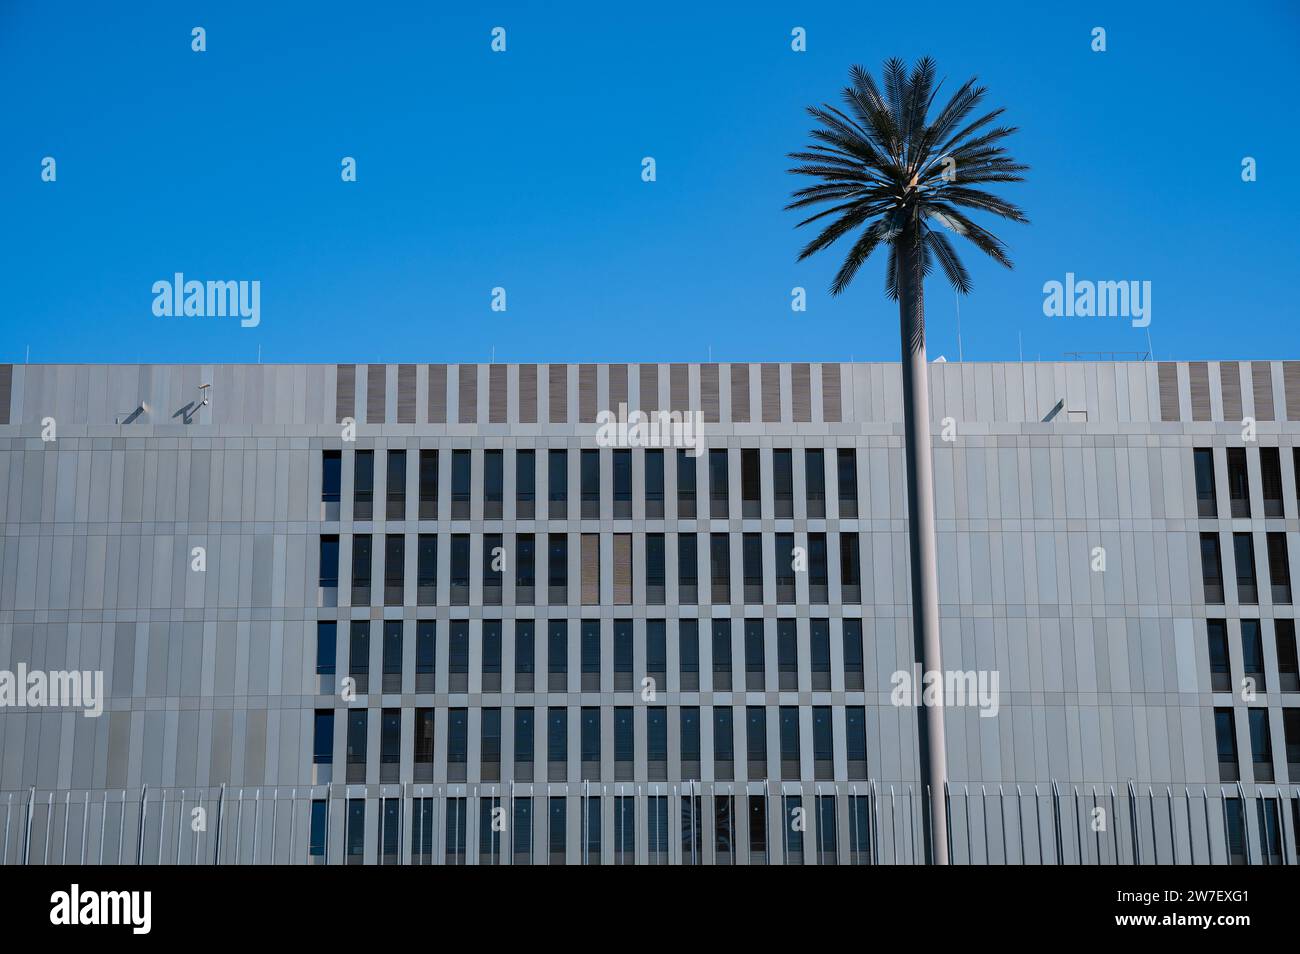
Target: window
point(785, 587)
point(1288, 668)
point(557, 834)
point(329, 571)
point(557, 656)
point(1279, 568)
point(361, 557)
point(591, 823)
point(718, 505)
point(394, 569)
point(428, 485)
point(1252, 654)
point(814, 465)
point(657, 825)
point(692, 816)
point(854, 677)
point(855, 729)
point(1291, 731)
point(624, 830)
point(688, 568)
point(557, 744)
point(356, 747)
point(363, 485)
point(494, 552)
point(1270, 473)
point(392, 675)
point(557, 568)
point(1238, 482)
point(720, 566)
point(1203, 462)
point(847, 462)
point(494, 484)
point(456, 811)
point(654, 485)
point(787, 655)
point(656, 652)
point(457, 744)
point(524, 655)
point(354, 836)
point(395, 507)
point(724, 829)
point(826, 842)
point(524, 745)
point(490, 745)
point(756, 741)
point(788, 732)
point(491, 655)
point(623, 743)
point(525, 484)
point(622, 655)
point(1217, 633)
point(783, 484)
point(757, 830)
point(359, 655)
point(1211, 568)
point(622, 485)
point(690, 742)
point(721, 647)
point(751, 504)
point(657, 742)
point(823, 743)
point(460, 485)
point(423, 749)
point(655, 586)
point(426, 654)
point(590, 733)
point(818, 575)
point(523, 829)
point(460, 569)
point(590, 637)
point(525, 569)
point(688, 652)
point(590, 474)
point(1261, 746)
point(1243, 552)
point(685, 486)
point(850, 569)
point(819, 638)
point(1235, 814)
point(489, 835)
point(1225, 737)
point(322, 750)
point(326, 653)
point(557, 483)
point(751, 552)
point(794, 829)
point(331, 485)
point(458, 655)
point(390, 744)
point(724, 743)
point(319, 831)
point(426, 569)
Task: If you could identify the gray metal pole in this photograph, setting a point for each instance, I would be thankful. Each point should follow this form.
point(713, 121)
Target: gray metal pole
point(27, 825)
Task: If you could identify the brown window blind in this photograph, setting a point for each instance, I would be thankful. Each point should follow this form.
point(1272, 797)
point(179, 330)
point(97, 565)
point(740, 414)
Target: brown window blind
point(467, 379)
point(496, 394)
point(771, 392)
point(801, 392)
point(1198, 377)
point(586, 394)
point(406, 394)
point(623, 569)
point(679, 388)
point(345, 398)
point(590, 569)
point(1230, 388)
point(617, 386)
point(376, 376)
point(437, 394)
point(559, 393)
point(1168, 378)
point(1291, 385)
point(832, 408)
point(1261, 381)
point(740, 393)
point(649, 387)
point(528, 394)
point(710, 396)
point(6, 391)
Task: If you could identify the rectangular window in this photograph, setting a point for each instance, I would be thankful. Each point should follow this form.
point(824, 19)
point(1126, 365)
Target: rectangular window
point(850, 569)
point(392, 655)
point(1225, 737)
point(756, 741)
point(1211, 568)
point(426, 654)
point(721, 647)
point(827, 851)
point(1243, 552)
point(1252, 653)
point(589, 568)
point(685, 485)
point(556, 829)
point(525, 660)
point(525, 569)
point(490, 745)
point(624, 830)
point(622, 485)
point(622, 655)
point(590, 732)
point(1270, 473)
point(493, 560)
point(819, 633)
point(692, 829)
point(494, 484)
point(657, 743)
point(456, 830)
point(1203, 461)
point(354, 835)
point(361, 568)
point(787, 655)
point(460, 569)
point(794, 829)
point(319, 830)
point(847, 461)
point(458, 655)
point(783, 484)
point(524, 745)
point(688, 569)
point(395, 506)
point(426, 569)
point(331, 486)
point(326, 654)
point(1238, 482)
point(1288, 668)
point(818, 575)
point(814, 466)
point(757, 830)
point(1279, 568)
point(654, 485)
point(720, 567)
point(557, 483)
point(1261, 745)
point(489, 838)
point(359, 655)
point(1291, 731)
point(690, 742)
point(624, 750)
point(1217, 633)
point(724, 829)
point(491, 655)
point(655, 585)
point(457, 744)
point(591, 821)
point(523, 831)
point(784, 568)
point(557, 656)
point(557, 744)
point(557, 560)
point(855, 728)
point(657, 829)
point(724, 744)
point(823, 743)
point(788, 731)
point(525, 484)
point(460, 485)
point(322, 751)
point(751, 553)
point(394, 569)
point(428, 485)
point(589, 471)
point(356, 751)
point(329, 571)
point(751, 482)
point(363, 485)
point(718, 493)
point(656, 652)
point(590, 640)
point(688, 652)
point(390, 745)
point(854, 676)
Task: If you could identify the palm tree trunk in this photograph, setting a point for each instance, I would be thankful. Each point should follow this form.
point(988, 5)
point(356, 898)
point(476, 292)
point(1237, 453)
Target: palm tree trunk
point(921, 533)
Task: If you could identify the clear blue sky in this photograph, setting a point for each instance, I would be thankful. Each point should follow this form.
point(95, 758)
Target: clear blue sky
point(522, 170)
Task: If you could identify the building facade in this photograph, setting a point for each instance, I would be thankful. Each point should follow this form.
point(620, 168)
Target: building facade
point(440, 614)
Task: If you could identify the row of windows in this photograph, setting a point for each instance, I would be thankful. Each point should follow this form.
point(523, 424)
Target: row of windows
point(593, 672)
point(1243, 554)
point(1270, 464)
point(1252, 656)
point(787, 554)
point(507, 825)
point(618, 465)
point(1261, 742)
point(611, 730)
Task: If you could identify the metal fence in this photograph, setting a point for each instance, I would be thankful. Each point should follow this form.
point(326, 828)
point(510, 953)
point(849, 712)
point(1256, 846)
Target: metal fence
point(653, 823)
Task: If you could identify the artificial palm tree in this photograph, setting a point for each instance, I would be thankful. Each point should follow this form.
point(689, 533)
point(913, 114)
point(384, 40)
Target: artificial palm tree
point(896, 177)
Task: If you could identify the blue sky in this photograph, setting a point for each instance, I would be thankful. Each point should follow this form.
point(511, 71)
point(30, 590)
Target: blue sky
point(522, 170)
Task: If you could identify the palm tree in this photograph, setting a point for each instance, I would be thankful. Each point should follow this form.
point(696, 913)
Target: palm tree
point(891, 174)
